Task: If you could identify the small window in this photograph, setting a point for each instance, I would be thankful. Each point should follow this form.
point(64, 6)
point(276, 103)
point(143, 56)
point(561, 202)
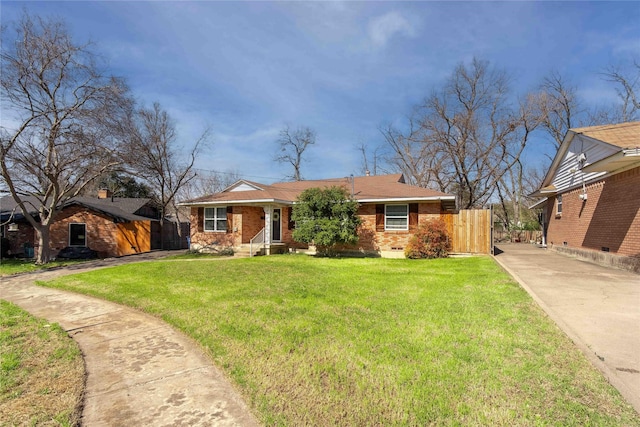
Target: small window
point(77, 235)
point(559, 205)
point(396, 217)
point(215, 219)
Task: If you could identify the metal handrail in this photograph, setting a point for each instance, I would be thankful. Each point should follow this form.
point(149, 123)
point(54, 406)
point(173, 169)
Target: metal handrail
point(258, 238)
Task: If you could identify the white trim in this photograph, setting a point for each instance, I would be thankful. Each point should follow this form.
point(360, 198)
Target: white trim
point(407, 199)
point(558, 203)
point(238, 183)
point(85, 234)
point(539, 203)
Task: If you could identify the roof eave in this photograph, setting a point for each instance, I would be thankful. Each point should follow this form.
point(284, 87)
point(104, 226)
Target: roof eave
point(539, 203)
point(407, 199)
point(238, 202)
point(622, 159)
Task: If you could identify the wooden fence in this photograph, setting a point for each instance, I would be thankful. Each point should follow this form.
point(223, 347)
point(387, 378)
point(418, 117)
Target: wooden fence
point(470, 231)
point(516, 236)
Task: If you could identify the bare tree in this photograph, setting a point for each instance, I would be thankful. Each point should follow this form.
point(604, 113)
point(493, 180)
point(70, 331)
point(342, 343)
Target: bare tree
point(61, 121)
point(208, 182)
point(292, 145)
point(467, 135)
point(371, 158)
point(627, 86)
point(421, 163)
point(156, 157)
point(560, 106)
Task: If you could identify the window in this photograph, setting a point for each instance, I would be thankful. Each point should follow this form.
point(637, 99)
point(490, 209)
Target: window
point(559, 205)
point(396, 217)
point(215, 219)
point(77, 235)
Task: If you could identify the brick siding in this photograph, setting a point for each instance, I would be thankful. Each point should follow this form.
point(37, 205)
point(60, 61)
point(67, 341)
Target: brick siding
point(101, 231)
point(609, 218)
point(372, 240)
point(249, 220)
point(17, 239)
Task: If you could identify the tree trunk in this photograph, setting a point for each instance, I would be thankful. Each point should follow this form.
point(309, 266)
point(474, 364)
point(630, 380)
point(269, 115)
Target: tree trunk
point(44, 251)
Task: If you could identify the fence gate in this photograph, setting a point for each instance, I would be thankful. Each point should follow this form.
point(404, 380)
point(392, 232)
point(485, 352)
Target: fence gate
point(470, 231)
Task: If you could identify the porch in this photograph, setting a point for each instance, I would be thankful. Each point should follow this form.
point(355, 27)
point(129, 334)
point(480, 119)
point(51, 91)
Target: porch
point(248, 229)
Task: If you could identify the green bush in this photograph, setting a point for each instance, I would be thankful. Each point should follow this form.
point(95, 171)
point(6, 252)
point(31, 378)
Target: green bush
point(326, 217)
point(430, 241)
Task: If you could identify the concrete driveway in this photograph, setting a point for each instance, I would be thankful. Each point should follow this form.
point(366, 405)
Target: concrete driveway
point(597, 307)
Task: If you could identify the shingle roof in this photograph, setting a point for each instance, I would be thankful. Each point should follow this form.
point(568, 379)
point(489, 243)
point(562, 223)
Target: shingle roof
point(365, 189)
point(119, 207)
point(624, 135)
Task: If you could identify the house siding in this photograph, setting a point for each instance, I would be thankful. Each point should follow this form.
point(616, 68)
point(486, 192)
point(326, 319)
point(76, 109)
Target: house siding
point(17, 239)
point(101, 231)
point(389, 241)
point(249, 220)
point(252, 222)
point(104, 235)
point(201, 239)
point(609, 218)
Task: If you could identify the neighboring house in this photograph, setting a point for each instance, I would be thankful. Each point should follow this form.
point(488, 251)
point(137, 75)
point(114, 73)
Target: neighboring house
point(253, 216)
point(591, 194)
point(112, 226)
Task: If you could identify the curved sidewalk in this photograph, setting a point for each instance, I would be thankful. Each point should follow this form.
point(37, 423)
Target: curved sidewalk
point(140, 371)
point(597, 307)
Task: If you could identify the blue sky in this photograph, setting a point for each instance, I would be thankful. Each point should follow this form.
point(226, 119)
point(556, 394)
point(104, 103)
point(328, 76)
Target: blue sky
point(246, 69)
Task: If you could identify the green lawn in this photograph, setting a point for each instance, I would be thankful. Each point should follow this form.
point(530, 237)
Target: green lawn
point(16, 266)
point(41, 372)
point(312, 341)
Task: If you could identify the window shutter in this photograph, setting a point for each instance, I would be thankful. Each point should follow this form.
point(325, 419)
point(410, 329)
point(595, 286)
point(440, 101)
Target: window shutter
point(379, 217)
point(200, 219)
point(290, 224)
point(413, 216)
point(229, 219)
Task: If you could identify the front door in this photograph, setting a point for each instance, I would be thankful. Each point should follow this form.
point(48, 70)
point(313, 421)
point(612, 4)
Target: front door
point(276, 228)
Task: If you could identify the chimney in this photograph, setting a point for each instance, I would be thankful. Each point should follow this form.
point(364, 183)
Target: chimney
point(103, 193)
point(368, 173)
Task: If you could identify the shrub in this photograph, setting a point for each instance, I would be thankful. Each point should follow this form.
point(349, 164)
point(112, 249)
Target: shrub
point(430, 241)
point(326, 217)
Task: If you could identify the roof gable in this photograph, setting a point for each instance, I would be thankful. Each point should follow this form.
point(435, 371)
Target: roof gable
point(623, 135)
point(583, 147)
point(242, 185)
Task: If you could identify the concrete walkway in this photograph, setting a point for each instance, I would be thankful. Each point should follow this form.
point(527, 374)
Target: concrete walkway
point(597, 307)
point(140, 371)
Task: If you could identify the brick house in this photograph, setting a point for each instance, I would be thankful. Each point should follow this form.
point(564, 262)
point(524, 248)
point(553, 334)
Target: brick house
point(250, 216)
point(591, 195)
point(112, 226)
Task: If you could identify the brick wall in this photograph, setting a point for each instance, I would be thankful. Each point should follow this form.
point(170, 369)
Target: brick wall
point(101, 231)
point(252, 222)
point(372, 240)
point(249, 220)
point(609, 218)
point(17, 239)
point(203, 239)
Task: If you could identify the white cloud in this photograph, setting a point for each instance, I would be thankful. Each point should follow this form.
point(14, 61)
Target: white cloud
point(384, 27)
